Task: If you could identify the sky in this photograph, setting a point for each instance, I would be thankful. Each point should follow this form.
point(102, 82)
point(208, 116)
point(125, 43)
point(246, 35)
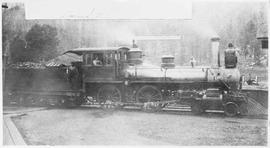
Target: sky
point(108, 9)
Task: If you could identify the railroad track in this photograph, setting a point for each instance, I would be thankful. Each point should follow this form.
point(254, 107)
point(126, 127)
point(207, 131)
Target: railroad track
point(254, 108)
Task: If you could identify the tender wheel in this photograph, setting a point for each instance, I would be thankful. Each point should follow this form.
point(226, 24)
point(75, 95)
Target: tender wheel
point(7, 99)
point(66, 103)
point(231, 109)
point(148, 93)
point(28, 100)
point(196, 108)
point(21, 100)
point(109, 97)
point(79, 101)
point(31, 100)
point(42, 101)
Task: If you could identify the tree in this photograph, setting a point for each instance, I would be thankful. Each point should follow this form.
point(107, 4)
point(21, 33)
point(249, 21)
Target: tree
point(14, 27)
point(248, 39)
point(41, 42)
point(18, 52)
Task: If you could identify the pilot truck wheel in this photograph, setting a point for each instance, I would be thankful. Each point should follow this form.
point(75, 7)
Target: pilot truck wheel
point(231, 109)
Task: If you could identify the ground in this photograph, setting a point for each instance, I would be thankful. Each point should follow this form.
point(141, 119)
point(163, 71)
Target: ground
point(92, 126)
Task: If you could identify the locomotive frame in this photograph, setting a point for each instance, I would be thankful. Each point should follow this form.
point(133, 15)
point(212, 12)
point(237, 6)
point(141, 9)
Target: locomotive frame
point(118, 82)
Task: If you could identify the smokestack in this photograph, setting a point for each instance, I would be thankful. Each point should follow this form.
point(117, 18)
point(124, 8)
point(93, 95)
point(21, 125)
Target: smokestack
point(215, 51)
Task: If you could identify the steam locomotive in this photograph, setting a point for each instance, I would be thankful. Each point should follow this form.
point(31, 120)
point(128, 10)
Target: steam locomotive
point(122, 78)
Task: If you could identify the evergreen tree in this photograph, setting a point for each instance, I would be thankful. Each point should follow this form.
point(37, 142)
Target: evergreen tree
point(42, 42)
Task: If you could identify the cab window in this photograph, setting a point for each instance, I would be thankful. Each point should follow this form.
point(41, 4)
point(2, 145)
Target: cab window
point(88, 59)
point(93, 59)
point(108, 59)
point(99, 59)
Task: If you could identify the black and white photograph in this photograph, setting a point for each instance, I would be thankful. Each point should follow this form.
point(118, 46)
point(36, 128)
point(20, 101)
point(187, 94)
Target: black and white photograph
point(135, 73)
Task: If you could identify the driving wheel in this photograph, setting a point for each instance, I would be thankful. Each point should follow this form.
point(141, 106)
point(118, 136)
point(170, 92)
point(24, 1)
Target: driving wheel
point(109, 97)
point(148, 93)
point(150, 96)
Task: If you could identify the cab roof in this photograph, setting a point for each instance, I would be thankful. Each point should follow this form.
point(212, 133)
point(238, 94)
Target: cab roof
point(135, 50)
point(167, 56)
point(80, 51)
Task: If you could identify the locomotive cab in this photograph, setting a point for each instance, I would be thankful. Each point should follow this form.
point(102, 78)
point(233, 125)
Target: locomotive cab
point(102, 64)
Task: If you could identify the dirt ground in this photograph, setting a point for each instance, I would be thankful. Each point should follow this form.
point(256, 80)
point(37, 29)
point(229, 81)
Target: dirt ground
point(84, 126)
